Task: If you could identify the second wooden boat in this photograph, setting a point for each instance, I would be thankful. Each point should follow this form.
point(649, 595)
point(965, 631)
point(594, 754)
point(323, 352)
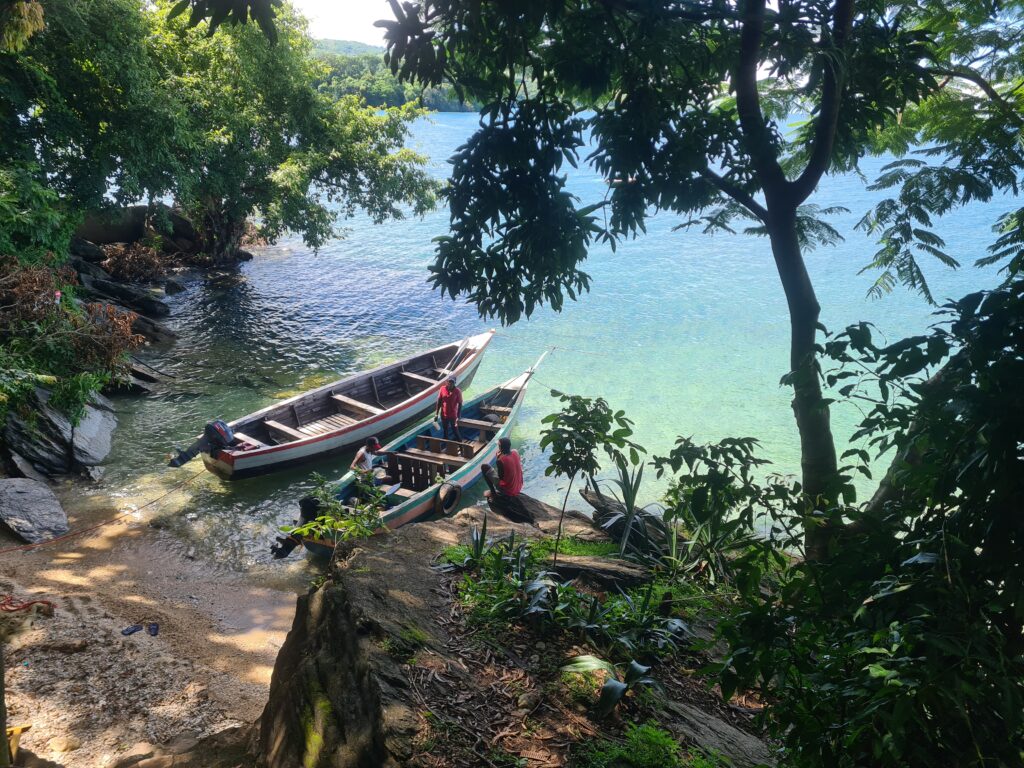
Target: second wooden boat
point(428, 472)
point(337, 416)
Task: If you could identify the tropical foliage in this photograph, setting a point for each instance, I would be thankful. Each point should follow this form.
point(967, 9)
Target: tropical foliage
point(119, 101)
point(263, 140)
point(355, 518)
point(688, 108)
point(573, 437)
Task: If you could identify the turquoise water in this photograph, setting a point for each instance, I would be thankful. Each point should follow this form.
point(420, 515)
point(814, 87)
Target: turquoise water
point(685, 332)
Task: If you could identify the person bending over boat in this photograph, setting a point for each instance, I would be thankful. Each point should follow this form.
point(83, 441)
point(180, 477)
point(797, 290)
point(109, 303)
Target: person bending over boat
point(365, 459)
point(509, 473)
point(449, 408)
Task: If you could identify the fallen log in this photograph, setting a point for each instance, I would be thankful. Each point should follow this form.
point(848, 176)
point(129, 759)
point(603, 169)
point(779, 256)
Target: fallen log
point(601, 571)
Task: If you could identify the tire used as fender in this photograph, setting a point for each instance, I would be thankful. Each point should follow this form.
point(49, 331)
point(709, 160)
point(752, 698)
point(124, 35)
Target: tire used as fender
point(447, 500)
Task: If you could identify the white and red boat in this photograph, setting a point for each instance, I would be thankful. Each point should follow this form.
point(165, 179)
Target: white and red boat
point(337, 416)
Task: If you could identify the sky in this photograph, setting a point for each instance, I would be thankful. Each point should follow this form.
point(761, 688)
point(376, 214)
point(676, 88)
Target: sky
point(346, 19)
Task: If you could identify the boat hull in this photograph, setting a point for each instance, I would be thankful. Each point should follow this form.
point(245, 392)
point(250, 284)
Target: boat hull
point(425, 504)
point(238, 465)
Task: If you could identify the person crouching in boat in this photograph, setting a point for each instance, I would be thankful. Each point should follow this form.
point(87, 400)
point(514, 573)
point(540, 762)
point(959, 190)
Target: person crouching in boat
point(449, 408)
point(367, 458)
point(509, 474)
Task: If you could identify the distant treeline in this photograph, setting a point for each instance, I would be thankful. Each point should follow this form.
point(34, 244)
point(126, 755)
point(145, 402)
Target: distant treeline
point(356, 68)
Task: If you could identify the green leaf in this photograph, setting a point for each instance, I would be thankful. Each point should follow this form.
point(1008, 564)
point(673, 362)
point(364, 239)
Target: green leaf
point(178, 9)
point(611, 694)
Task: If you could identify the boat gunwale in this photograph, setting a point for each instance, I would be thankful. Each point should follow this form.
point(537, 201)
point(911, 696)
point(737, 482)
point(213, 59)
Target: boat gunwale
point(472, 464)
point(469, 362)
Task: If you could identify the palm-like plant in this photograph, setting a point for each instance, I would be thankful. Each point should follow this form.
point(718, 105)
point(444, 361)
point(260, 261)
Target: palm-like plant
point(614, 687)
point(574, 436)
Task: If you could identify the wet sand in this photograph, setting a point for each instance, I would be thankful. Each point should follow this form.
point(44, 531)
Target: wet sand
point(74, 676)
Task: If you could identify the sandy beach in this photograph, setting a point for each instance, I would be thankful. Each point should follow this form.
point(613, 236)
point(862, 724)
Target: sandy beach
point(93, 695)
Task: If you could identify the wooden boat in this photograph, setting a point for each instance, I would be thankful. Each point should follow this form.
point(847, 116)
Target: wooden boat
point(336, 416)
point(419, 457)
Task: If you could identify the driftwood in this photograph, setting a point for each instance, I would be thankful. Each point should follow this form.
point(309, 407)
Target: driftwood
point(601, 571)
point(608, 508)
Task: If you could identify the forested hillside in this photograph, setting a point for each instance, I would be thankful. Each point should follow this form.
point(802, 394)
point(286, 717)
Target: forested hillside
point(359, 69)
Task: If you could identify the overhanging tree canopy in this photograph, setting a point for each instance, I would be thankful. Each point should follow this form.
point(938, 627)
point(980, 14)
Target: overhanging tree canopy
point(262, 140)
point(687, 104)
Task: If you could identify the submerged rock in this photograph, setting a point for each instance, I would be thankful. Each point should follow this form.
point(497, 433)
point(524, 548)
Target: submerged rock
point(29, 508)
point(137, 299)
point(155, 332)
point(53, 445)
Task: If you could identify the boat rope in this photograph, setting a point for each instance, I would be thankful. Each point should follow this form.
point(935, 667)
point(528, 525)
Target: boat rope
point(126, 513)
point(8, 604)
point(155, 370)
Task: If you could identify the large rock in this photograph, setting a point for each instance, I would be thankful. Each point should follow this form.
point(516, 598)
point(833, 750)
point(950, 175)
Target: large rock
point(135, 298)
point(610, 514)
point(157, 333)
point(114, 225)
point(714, 734)
point(53, 445)
point(85, 267)
point(84, 249)
point(29, 508)
point(126, 225)
point(601, 571)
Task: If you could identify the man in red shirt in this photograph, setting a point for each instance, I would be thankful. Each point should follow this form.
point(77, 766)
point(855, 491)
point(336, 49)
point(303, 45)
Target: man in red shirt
point(449, 408)
point(510, 471)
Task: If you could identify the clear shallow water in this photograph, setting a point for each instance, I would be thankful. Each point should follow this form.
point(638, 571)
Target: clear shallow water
point(688, 333)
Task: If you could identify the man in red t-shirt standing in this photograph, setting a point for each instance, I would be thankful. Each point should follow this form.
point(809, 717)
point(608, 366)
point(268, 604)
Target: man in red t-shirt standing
point(510, 471)
point(449, 408)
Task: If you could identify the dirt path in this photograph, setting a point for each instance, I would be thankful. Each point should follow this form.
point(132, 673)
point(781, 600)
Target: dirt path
point(77, 680)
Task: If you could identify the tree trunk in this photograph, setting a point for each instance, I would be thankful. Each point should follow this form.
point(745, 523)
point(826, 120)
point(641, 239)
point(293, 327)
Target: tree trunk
point(222, 233)
point(819, 468)
point(561, 518)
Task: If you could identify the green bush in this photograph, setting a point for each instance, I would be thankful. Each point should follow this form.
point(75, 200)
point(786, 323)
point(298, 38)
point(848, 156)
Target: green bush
point(646, 746)
point(507, 584)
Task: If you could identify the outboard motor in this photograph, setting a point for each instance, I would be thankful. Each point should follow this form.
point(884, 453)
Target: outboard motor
point(218, 434)
point(309, 507)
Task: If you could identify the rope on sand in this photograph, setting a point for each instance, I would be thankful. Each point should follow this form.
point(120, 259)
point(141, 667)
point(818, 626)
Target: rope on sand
point(8, 604)
point(73, 534)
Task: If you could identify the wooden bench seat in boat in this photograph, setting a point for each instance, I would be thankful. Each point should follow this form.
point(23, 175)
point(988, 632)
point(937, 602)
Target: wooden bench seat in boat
point(440, 445)
point(244, 438)
point(365, 408)
point(331, 423)
point(483, 426)
point(447, 458)
point(404, 493)
point(418, 379)
point(413, 472)
point(497, 410)
point(279, 428)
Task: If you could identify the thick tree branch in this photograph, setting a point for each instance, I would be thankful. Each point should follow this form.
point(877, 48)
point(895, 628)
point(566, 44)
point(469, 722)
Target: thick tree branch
point(739, 195)
point(973, 77)
point(831, 100)
point(748, 105)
